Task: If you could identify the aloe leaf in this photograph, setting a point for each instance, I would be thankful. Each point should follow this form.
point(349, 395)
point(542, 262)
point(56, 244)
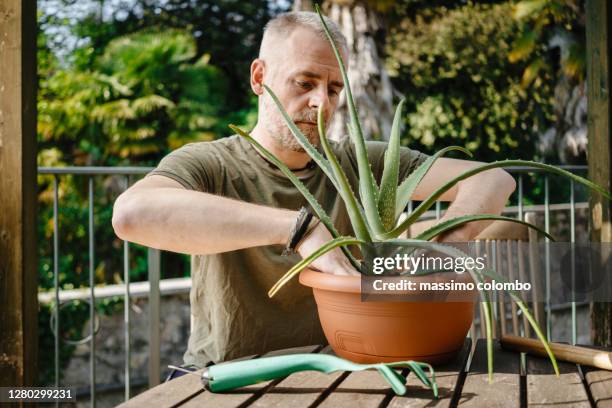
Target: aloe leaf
point(302, 140)
point(485, 296)
point(390, 176)
point(488, 314)
point(406, 189)
point(455, 222)
point(334, 243)
point(368, 189)
point(477, 276)
point(488, 320)
point(319, 211)
point(425, 205)
point(536, 327)
point(344, 188)
point(534, 324)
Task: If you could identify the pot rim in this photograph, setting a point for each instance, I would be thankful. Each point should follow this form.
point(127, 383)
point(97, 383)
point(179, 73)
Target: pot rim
point(345, 283)
point(326, 281)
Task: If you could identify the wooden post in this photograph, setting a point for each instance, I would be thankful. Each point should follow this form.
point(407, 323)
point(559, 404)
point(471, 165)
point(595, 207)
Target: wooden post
point(599, 152)
point(18, 260)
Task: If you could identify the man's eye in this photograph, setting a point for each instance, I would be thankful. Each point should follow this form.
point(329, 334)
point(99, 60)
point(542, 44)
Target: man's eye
point(305, 85)
point(333, 92)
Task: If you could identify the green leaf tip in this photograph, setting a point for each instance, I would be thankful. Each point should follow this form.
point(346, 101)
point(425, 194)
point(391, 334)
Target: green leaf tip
point(297, 268)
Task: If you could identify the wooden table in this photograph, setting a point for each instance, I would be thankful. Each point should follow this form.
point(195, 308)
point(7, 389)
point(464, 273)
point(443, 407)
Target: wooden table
point(462, 382)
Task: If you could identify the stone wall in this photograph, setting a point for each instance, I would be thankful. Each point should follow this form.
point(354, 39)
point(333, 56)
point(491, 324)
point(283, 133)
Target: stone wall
point(110, 350)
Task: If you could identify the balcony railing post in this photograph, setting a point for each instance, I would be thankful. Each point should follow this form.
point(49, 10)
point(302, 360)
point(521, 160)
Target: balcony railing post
point(56, 279)
point(154, 316)
point(126, 310)
point(547, 257)
point(92, 298)
point(573, 259)
point(520, 196)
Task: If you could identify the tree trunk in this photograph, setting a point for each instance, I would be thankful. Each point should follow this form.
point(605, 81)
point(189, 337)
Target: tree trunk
point(370, 84)
point(600, 148)
point(566, 141)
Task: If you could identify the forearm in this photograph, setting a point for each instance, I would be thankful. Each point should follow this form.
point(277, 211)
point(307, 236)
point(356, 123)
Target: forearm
point(192, 222)
point(486, 194)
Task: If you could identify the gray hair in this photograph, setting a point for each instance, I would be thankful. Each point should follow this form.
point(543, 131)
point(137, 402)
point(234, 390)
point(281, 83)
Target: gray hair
point(283, 25)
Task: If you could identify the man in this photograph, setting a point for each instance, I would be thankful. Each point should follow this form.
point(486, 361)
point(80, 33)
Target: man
point(223, 202)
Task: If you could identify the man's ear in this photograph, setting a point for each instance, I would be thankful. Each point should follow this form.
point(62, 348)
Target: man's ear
point(258, 69)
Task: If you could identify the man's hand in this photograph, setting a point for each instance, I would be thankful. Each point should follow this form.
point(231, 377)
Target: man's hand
point(334, 262)
point(483, 193)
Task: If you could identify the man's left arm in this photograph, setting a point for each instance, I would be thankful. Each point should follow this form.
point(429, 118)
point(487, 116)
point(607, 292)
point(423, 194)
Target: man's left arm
point(483, 193)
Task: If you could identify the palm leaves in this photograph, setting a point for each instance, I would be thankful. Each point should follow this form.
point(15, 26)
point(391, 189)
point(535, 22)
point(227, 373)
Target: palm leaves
point(375, 218)
point(147, 93)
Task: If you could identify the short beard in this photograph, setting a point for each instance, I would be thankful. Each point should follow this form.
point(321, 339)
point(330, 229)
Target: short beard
point(277, 128)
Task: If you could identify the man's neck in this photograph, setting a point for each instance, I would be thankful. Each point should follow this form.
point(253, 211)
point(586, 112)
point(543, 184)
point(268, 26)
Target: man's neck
point(292, 159)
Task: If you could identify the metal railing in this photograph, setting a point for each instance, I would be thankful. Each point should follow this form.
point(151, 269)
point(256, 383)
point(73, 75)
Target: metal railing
point(153, 258)
point(153, 271)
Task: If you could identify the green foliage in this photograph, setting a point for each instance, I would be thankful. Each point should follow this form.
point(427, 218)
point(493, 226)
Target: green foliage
point(453, 68)
point(144, 96)
point(228, 31)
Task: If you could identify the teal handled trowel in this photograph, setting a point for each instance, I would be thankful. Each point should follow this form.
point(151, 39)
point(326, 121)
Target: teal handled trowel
point(230, 375)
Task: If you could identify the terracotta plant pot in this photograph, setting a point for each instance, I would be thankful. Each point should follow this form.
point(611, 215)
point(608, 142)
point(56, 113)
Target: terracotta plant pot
point(374, 331)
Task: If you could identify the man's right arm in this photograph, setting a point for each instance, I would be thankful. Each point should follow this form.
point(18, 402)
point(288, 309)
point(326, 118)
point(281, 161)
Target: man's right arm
point(159, 212)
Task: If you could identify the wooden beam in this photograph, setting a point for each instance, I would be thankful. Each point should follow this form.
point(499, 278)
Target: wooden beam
point(600, 149)
point(18, 260)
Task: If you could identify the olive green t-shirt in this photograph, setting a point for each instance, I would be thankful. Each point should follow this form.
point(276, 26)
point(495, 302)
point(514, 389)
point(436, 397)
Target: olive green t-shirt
point(232, 315)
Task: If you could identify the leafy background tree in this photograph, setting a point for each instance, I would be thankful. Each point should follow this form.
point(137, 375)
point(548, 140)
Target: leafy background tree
point(143, 97)
point(453, 66)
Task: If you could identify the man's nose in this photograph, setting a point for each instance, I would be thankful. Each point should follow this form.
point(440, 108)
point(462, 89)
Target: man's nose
point(320, 98)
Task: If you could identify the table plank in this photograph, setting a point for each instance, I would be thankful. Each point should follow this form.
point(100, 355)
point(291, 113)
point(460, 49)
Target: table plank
point(241, 395)
point(172, 392)
point(545, 389)
point(447, 376)
point(169, 393)
point(504, 391)
point(359, 389)
point(600, 385)
point(300, 389)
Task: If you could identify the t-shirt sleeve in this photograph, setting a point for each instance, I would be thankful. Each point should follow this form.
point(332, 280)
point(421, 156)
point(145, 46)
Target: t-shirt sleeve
point(193, 166)
point(409, 159)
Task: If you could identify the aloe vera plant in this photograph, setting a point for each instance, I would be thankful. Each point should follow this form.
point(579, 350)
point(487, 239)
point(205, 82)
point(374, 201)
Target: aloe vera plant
point(375, 212)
